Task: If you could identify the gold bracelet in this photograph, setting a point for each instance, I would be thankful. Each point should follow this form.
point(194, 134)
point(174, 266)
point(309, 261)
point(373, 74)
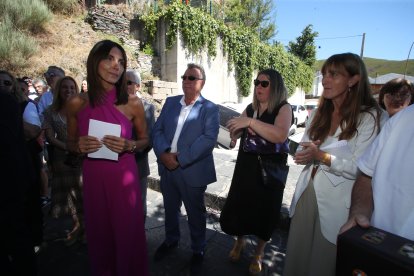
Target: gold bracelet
point(326, 157)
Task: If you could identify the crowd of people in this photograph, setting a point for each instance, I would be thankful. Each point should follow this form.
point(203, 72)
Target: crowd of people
point(95, 139)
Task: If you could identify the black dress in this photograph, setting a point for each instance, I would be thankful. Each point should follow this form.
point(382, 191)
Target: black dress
point(251, 207)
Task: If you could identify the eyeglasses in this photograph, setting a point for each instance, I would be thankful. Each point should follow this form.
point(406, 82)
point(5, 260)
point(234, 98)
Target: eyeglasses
point(6, 82)
point(263, 83)
point(190, 78)
point(130, 82)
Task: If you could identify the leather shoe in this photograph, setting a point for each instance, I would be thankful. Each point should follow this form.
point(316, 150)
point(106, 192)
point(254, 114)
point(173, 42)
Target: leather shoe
point(196, 262)
point(164, 249)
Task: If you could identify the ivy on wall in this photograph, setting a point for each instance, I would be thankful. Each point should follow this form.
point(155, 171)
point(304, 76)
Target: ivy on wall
point(244, 52)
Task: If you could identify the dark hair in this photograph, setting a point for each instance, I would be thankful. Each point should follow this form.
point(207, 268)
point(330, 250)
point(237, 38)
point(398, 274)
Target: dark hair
point(58, 102)
point(396, 85)
point(14, 84)
point(95, 89)
point(54, 67)
point(359, 99)
point(278, 91)
point(199, 67)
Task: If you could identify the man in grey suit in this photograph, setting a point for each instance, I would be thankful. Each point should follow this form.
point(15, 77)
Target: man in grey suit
point(141, 157)
point(184, 137)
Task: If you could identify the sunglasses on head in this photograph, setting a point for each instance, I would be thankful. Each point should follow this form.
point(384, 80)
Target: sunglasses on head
point(130, 82)
point(7, 83)
point(263, 83)
point(190, 78)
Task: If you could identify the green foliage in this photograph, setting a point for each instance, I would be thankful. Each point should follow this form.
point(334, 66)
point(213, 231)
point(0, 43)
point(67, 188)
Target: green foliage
point(67, 7)
point(30, 15)
point(15, 46)
point(245, 53)
point(304, 47)
point(378, 67)
point(148, 50)
point(18, 19)
point(253, 14)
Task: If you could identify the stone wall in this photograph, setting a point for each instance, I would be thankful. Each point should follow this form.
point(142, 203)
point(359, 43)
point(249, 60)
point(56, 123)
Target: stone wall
point(113, 21)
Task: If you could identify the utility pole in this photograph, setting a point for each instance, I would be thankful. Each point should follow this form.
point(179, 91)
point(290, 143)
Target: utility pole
point(362, 46)
point(406, 62)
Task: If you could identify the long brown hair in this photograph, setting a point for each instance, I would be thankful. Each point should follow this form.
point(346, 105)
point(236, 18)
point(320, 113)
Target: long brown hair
point(58, 102)
point(278, 91)
point(96, 91)
point(358, 100)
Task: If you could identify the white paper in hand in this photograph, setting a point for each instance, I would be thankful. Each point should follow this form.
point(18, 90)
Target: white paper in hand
point(339, 148)
point(99, 129)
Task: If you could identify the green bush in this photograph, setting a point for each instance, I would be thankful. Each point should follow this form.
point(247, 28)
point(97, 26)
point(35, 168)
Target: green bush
point(244, 52)
point(148, 50)
point(63, 6)
point(28, 15)
point(15, 46)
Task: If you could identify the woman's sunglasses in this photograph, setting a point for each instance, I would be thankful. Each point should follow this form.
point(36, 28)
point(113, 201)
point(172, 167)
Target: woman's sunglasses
point(130, 82)
point(263, 83)
point(190, 78)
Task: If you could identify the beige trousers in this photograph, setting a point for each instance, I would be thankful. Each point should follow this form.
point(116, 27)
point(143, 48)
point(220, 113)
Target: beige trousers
point(308, 252)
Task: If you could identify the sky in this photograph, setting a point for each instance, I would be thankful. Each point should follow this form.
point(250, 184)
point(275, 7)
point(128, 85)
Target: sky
point(388, 26)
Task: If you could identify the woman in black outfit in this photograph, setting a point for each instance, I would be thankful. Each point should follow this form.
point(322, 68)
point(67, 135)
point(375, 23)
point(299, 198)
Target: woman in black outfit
point(253, 204)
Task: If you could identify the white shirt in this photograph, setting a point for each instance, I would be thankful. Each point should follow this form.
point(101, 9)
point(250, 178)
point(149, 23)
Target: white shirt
point(185, 110)
point(389, 160)
point(30, 115)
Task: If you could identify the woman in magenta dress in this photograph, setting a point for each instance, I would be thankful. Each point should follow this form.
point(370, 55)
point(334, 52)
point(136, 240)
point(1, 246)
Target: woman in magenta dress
point(112, 201)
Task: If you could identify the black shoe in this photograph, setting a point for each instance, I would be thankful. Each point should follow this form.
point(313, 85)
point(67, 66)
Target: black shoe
point(196, 263)
point(164, 250)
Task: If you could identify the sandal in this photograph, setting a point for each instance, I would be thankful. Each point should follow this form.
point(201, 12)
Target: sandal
point(235, 253)
point(256, 265)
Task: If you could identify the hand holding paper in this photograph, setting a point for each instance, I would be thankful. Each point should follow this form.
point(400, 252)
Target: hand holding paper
point(99, 129)
point(339, 148)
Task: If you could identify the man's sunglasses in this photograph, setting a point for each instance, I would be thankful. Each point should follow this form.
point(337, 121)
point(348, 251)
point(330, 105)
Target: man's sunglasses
point(6, 83)
point(263, 83)
point(190, 78)
point(130, 82)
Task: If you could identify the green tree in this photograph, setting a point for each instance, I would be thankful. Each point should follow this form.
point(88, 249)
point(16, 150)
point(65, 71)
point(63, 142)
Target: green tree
point(304, 47)
point(253, 14)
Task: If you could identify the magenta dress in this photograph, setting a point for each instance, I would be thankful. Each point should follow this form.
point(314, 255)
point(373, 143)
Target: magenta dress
point(112, 201)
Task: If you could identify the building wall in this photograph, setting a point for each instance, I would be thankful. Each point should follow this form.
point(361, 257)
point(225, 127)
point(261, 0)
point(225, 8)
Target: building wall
point(220, 82)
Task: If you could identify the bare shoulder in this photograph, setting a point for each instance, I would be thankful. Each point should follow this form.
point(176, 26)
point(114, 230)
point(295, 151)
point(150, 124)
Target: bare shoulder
point(286, 108)
point(76, 103)
point(134, 101)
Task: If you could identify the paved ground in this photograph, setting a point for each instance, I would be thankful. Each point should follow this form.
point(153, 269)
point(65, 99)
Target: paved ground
point(57, 259)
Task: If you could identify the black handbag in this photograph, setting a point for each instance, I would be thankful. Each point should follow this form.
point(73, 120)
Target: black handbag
point(274, 174)
point(259, 145)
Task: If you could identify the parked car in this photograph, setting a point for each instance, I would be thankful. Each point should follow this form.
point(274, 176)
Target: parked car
point(300, 114)
point(310, 107)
